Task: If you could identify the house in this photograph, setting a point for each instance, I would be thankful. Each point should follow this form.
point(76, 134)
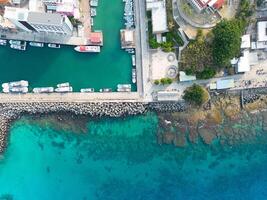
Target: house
point(261, 42)
point(244, 63)
point(158, 16)
point(200, 5)
point(222, 84)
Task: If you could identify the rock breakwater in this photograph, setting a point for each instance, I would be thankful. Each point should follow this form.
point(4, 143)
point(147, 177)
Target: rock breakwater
point(12, 111)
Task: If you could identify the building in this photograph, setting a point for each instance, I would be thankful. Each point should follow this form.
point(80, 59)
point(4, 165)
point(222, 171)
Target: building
point(127, 38)
point(245, 41)
point(158, 15)
point(96, 38)
point(244, 63)
point(38, 21)
point(223, 84)
point(201, 5)
point(183, 77)
point(261, 42)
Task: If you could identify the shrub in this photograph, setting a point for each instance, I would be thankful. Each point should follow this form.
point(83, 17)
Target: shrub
point(196, 95)
point(156, 82)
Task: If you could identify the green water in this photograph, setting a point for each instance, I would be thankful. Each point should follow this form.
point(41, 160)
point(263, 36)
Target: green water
point(47, 67)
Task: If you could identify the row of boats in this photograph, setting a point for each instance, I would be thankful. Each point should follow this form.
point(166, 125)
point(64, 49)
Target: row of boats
point(22, 87)
point(22, 45)
point(129, 14)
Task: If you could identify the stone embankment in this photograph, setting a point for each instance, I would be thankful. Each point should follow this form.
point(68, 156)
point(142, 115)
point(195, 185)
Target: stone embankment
point(12, 111)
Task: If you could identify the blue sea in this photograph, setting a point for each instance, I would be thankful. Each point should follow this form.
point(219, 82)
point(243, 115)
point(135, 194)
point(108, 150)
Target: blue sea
point(119, 159)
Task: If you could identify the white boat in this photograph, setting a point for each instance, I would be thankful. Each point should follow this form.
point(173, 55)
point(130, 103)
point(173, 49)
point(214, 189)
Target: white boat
point(94, 3)
point(67, 84)
point(15, 89)
point(21, 83)
point(18, 47)
point(56, 46)
point(43, 90)
point(85, 90)
point(124, 87)
point(92, 22)
point(93, 12)
point(17, 42)
point(36, 44)
point(63, 89)
point(2, 42)
point(133, 60)
point(87, 49)
point(105, 90)
point(134, 75)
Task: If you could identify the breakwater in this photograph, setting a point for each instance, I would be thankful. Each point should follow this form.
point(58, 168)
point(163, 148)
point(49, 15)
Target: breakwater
point(13, 111)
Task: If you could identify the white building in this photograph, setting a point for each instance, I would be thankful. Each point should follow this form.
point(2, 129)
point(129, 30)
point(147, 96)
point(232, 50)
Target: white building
point(261, 42)
point(244, 63)
point(200, 5)
point(38, 21)
point(158, 14)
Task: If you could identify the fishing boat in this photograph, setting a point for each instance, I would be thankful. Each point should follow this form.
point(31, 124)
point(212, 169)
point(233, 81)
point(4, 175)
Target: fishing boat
point(18, 47)
point(21, 83)
point(87, 49)
point(36, 44)
point(105, 90)
point(134, 75)
point(85, 90)
point(67, 84)
point(3, 42)
point(43, 90)
point(8, 89)
point(63, 89)
point(93, 12)
point(56, 46)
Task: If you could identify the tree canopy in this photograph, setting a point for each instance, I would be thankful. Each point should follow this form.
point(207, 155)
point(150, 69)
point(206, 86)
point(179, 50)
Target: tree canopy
point(196, 95)
point(226, 42)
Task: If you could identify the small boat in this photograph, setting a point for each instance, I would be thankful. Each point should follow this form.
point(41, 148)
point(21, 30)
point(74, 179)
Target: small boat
point(67, 84)
point(92, 22)
point(105, 90)
point(63, 89)
point(18, 47)
point(3, 42)
point(21, 83)
point(36, 44)
point(134, 75)
point(133, 60)
point(87, 49)
point(17, 42)
point(85, 90)
point(56, 46)
point(43, 90)
point(15, 89)
point(124, 87)
point(93, 12)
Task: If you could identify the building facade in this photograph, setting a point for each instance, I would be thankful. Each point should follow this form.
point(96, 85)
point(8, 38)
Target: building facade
point(39, 22)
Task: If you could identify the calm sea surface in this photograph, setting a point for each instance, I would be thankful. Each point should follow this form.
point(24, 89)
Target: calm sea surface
point(119, 159)
point(47, 67)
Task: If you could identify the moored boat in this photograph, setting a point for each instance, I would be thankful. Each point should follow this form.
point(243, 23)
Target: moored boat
point(124, 87)
point(56, 46)
point(3, 42)
point(67, 84)
point(87, 49)
point(17, 42)
point(43, 90)
point(85, 90)
point(134, 75)
point(21, 83)
point(63, 89)
point(133, 60)
point(18, 47)
point(8, 89)
point(105, 90)
point(36, 44)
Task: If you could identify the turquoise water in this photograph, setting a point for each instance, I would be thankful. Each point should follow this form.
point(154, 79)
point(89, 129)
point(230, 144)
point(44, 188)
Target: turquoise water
point(119, 159)
point(47, 67)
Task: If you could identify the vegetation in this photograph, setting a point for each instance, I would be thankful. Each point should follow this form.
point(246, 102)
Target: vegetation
point(245, 10)
point(197, 55)
point(163, 81)
point(196, 95)
point(153, 43)
point(156, 82)
point(74, 22)
point(207, 73)
point(167, 46)
point(226, 42)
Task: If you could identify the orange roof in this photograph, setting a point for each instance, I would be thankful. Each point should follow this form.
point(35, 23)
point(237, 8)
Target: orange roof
point(218, 4)
point(4, 1)
point(95, 37)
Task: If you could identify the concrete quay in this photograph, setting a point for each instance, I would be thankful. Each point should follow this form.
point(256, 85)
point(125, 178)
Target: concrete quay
point(45, 38)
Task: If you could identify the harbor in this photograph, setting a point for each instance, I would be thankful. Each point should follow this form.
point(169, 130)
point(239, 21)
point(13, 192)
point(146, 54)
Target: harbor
point(46, 67)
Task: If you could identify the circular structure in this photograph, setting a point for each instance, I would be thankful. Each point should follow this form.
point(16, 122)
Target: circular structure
point(172, 71)
point(171, 57)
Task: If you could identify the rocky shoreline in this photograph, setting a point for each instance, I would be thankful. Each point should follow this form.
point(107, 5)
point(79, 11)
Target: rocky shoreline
point(13, 111)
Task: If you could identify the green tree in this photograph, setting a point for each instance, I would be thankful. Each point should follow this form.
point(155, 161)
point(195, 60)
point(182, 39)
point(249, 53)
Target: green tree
point(167, 46)
point(156, 82)
point(153, 43)
point(226, 43)
point(196, 95)
point(169, 81)
point(207, 73)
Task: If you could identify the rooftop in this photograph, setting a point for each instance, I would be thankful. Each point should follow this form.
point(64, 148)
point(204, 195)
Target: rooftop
point(262, 30)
